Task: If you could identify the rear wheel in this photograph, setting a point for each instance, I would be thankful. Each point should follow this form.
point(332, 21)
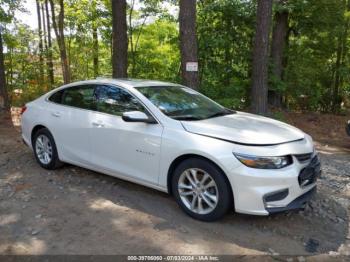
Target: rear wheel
point(201, 189)
point(45, 150)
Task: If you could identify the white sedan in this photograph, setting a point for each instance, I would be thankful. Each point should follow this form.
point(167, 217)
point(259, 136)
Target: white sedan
point(174, 139)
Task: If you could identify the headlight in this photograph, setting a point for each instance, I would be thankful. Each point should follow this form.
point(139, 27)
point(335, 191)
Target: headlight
point(274, 162)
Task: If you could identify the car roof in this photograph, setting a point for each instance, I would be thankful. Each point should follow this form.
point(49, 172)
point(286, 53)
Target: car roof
point(128, 83)
point(131, 82)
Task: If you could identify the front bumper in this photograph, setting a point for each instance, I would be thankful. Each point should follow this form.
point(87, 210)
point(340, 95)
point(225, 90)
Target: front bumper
point(297, 203)
point(263, 192)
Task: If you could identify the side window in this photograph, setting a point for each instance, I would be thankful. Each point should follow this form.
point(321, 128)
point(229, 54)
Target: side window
point(115, 101)
point(56, 97)
point(79, 96)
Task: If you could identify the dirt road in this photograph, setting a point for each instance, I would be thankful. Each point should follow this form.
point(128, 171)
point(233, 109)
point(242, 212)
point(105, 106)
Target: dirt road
point(76, 211)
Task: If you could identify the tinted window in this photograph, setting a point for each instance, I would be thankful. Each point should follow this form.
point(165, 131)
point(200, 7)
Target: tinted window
point(115, 101)
point(56, 97)
point(79, 96)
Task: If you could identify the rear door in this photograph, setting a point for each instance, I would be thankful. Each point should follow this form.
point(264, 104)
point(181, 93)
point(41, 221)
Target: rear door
point(124, 148)
point(70, 114)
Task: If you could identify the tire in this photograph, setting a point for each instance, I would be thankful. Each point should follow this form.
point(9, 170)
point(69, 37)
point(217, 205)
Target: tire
point(209, 209)
point(53, 161)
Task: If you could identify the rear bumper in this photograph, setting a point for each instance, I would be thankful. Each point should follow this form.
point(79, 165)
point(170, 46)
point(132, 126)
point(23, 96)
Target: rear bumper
point(297, 203)
point(26, 141)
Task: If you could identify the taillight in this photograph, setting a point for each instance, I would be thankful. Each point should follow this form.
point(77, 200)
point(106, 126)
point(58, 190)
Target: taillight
point(23, 109)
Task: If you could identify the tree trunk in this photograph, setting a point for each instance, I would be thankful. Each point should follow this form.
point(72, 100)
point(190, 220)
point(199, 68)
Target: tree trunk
point(340, 62)
point(278, 45)
point(49, 45)
point(260, 57)
point(4, 100)
point(228, 58)
point(95, 50)
point(44, 26)
point(120, 39)
point(66, 72)
point(87, 52)
point(59, 31)
point(335, 95)
point(344, 45)
point(131, 38)
point(41, 59)
point(45, 41)
point(95, 46)
point(69, 48)
point(188, 43)
point(10, 78)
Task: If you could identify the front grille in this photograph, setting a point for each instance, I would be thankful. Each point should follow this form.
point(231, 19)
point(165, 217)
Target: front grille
point(304, 157)
point(310, 173)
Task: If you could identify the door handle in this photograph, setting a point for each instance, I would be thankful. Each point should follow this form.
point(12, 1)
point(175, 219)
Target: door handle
point(98, 124)
point(56, 114)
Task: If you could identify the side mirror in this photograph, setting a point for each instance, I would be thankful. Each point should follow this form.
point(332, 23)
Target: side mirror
point(138, 116)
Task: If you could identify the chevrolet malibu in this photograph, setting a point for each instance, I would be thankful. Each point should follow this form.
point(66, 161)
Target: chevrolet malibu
point(171, 138)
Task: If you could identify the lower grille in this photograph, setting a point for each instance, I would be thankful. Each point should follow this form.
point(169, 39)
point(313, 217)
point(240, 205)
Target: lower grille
point(276, 196)
point(310, 173)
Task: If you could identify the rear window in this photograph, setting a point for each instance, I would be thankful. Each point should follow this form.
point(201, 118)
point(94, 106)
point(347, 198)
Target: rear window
point(76, 96)
point(79, 96)
point(56, 97)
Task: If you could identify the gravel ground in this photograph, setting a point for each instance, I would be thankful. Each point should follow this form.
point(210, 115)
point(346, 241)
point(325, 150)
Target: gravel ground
point(76, 211)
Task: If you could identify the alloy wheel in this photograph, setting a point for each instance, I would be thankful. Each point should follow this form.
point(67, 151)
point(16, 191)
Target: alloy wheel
point(198, 191)
point(43, 149)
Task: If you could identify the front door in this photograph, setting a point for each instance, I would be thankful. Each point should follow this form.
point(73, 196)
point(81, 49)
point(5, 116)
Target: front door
point(124, 148)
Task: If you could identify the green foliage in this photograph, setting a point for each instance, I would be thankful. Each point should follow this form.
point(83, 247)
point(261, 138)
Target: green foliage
point(278, 115)
point(81, 16)
point(225, 28)
point(311, 54)
point(157, 56)
point(23, 67)
point(7, 9)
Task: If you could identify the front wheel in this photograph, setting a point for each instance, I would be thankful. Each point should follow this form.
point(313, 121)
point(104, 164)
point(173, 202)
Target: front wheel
point(201, 189)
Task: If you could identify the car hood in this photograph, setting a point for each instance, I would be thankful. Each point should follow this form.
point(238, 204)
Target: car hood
point(244, 128)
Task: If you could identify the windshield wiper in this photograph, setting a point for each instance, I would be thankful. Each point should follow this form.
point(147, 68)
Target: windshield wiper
point(221, 113)
point(186, 117)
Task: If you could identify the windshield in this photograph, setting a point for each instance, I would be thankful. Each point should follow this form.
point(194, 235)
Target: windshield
point(182, 103)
